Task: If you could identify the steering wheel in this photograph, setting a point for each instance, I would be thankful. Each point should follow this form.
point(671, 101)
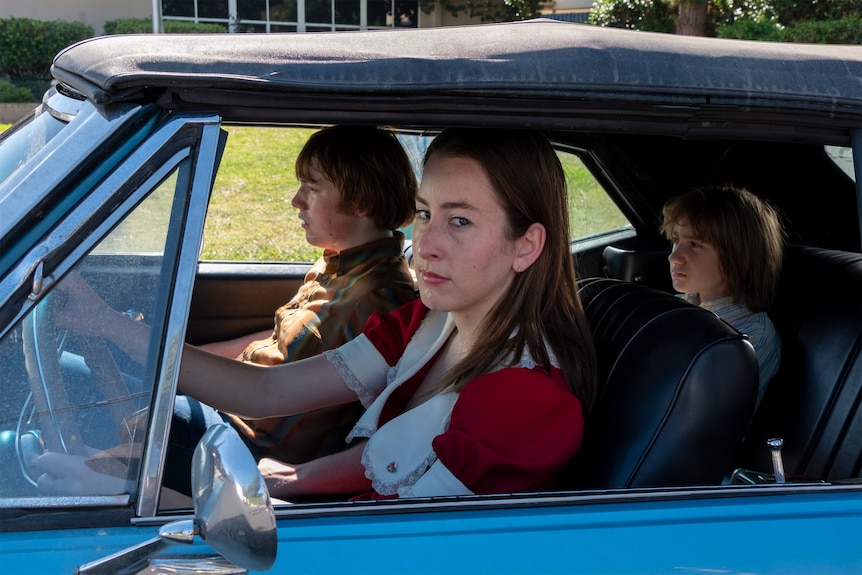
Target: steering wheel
point(43, 344)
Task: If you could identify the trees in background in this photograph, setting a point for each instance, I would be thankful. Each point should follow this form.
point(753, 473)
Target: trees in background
point(28, 47)
point(824, 21)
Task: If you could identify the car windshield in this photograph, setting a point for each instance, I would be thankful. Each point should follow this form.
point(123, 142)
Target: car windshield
point(23, 141)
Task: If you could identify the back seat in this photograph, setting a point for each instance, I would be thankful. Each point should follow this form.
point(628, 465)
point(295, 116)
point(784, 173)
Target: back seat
point(814, 402)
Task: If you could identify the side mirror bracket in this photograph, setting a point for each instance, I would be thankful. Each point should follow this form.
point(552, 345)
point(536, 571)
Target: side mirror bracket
point(233, 514)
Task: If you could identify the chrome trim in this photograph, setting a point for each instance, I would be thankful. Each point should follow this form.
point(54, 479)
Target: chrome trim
point(152, 463)
point(533, 500)
point(61, 106)
point(38, 282)
point(856, 144)
point(601, 239)
point(26, 187)
point(61, 501)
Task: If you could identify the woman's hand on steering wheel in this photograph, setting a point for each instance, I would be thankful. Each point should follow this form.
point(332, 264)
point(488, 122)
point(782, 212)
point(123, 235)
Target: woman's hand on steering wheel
point(64, 474)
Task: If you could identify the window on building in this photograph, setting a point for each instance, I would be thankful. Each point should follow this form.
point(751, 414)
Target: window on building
point(296, 15)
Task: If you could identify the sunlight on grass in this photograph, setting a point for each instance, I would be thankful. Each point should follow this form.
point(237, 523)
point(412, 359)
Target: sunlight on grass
point(591, 211)
point(250, 216)
point(145, 230)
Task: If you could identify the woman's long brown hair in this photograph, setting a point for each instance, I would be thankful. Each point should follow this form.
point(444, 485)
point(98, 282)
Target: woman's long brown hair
point(542, 307)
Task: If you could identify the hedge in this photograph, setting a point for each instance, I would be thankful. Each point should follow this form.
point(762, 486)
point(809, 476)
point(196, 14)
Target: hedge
point(145, 26)
point(843, 31)
point(9, 93)
point(27, 47)
point(846, 30)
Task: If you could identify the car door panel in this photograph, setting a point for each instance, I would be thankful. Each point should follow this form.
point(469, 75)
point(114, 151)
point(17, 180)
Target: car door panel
point(232, 299)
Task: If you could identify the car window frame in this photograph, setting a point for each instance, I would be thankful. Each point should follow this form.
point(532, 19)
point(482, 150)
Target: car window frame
point(193, 138)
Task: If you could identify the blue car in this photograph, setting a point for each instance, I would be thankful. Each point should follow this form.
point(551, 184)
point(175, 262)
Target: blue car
point(109, 180)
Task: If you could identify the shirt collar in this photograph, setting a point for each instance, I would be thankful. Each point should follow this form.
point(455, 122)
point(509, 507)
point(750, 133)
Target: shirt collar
point(338, 263)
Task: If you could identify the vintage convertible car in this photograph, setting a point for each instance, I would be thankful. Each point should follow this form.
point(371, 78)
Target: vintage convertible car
point(111, 176)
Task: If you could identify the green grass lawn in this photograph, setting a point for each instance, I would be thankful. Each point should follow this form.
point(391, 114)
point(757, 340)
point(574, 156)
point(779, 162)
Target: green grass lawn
point(250, 216)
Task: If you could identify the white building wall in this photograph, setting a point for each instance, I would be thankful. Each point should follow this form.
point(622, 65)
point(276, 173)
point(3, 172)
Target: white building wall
point(570, 4)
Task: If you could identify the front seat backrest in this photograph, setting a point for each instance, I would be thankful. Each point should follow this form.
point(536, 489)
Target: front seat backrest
point(677, 388)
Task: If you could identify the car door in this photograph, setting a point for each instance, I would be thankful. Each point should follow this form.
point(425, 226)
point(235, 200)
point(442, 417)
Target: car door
point(125, 221)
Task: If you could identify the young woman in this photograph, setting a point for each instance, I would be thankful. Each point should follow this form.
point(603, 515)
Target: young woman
point(481, 385)
point(726, 257)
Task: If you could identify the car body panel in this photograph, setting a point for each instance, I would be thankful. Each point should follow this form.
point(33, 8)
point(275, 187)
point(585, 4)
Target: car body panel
point(698, 535)
point(701, 534)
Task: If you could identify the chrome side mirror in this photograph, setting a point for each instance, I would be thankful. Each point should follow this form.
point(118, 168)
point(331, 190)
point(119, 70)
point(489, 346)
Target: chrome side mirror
point(233, 514)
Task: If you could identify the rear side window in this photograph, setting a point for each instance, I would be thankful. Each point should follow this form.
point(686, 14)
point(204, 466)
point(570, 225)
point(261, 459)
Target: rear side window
point(591, 211)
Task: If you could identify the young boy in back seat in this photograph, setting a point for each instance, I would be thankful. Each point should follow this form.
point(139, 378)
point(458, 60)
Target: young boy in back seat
point(727, 252)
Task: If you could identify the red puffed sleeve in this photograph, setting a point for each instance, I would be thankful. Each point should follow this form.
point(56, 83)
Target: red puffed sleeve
point(391, 332)
point(511, 431)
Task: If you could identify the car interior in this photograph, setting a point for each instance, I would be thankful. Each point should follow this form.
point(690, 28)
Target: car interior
point(678, 385)
point(681, 413)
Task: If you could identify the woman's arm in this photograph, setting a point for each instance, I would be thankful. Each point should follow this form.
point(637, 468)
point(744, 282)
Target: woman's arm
point(334, 474)
point(257, 392)
point(80, 310)
point(244, 389)
point(232, 348)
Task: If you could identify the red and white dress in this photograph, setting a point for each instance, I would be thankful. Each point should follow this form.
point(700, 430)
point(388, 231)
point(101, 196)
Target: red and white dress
point(507, 431)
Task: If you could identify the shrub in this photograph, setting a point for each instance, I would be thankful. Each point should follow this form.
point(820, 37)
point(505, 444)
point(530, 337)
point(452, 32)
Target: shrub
point(10, 93)
point(648, 15)
point(36, 86)
point(793, 12)
point(27, 47)
point(179, 27)
point(145, 26)
point(843, 31)
point(847, 30)
point(748, 29)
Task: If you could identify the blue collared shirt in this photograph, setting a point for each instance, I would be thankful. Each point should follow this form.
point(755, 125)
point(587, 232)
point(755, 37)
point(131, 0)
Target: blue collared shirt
point(756, 325)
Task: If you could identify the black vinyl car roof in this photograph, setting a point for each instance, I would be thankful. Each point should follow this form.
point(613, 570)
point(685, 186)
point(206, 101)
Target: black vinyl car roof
point(509, 65)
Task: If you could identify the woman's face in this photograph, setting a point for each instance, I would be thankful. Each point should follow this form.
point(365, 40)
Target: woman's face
point(463, 261)
point(694, 266)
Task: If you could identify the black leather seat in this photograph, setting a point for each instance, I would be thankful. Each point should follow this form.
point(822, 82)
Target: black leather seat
point(814, 403)
point(677, 391)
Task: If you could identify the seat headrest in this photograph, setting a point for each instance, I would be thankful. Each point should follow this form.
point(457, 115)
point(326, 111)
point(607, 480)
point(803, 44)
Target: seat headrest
point(677, 388)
